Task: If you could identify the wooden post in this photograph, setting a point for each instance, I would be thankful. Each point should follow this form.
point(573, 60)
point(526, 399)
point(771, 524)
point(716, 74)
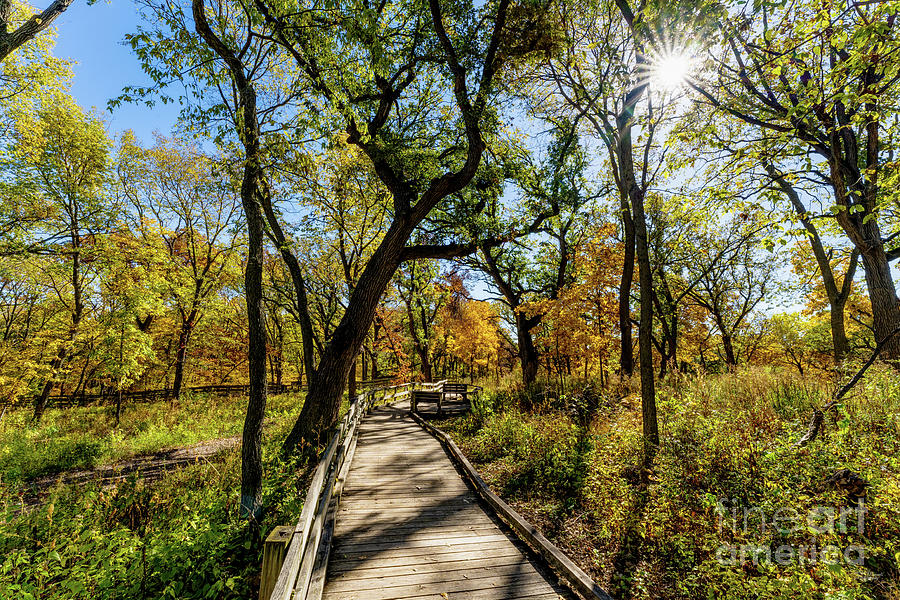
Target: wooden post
point(412, 401)
point(274, 551)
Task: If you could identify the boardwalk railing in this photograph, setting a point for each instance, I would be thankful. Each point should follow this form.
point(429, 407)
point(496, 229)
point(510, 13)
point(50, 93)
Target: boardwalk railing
point(302, 574)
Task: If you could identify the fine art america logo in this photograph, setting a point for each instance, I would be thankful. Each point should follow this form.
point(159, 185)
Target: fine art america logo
point(825, 521)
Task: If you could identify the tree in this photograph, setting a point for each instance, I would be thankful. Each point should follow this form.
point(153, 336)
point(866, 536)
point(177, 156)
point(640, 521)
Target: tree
point(179, 202)
point(779, 171)
point(821, 76)
point(581, 320)
point(386, 91)
point(601, 78)
point(838, 289)
point(424, 295)
point(127, 294)
point(733, 278)
point(60, 159)
point(25, 29)
point(557, 207)
point(470, 330)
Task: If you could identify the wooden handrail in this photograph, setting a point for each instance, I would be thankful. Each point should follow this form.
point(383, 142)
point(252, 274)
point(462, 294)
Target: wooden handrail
point(302, 574)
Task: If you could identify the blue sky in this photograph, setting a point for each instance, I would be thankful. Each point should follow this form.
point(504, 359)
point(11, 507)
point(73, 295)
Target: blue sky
point(92, 36)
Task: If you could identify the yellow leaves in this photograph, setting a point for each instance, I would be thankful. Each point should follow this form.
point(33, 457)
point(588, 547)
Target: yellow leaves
point(472, 332)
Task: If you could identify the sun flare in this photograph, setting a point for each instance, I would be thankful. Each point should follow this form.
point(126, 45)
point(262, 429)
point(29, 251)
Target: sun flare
point(671, 70)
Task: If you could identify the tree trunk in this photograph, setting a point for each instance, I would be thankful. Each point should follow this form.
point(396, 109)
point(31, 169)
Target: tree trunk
point(119, 405)
point(730, 358)
point(645, 329)
point(883, 296)
point(40, 403)
point(248, 129)
point(645, 275)
point(528, 355)
point(838, 331)
point(251, 449)
point(184, 335)
point(320, 410)
point(626, 355)
point(426, 364)
point(364, 361)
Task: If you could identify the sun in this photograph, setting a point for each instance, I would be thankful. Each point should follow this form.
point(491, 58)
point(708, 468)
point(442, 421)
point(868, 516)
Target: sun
point(671, 70)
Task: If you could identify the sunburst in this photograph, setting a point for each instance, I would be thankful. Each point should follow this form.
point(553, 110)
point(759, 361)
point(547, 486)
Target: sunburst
point(671, 70)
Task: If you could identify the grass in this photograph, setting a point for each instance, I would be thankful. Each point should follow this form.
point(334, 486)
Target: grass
point(85, 437)
point(179, 537)
point(573, 465)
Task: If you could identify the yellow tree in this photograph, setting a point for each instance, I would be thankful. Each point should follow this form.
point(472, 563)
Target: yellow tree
point(187, 216)
point(59, 160)
point(472, 333)
point(581, 322)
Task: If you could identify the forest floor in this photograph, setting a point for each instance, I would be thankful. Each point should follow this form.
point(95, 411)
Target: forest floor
point(148, 467)
point(146, 508)
point(730, 507)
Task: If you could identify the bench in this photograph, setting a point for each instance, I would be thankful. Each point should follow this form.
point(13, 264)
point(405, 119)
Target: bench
point(423, 396)
point(456, 395)
point(457, 389)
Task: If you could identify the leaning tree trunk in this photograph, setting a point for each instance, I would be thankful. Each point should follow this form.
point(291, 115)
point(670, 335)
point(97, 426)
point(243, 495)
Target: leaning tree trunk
point(320, 410)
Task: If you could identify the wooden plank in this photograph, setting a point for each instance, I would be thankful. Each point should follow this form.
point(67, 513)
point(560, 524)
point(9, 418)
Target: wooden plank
point(440, 578)
point(406, 491)
point(426, 544)
point(400, 521)
point(339, 565)
point(362, 532)
point(559, 561)
point(363, 570)
point(501, 583)
point(518, 592)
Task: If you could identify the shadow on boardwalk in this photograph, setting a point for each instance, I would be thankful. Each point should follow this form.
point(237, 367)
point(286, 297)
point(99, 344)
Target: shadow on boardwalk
point(409, 527)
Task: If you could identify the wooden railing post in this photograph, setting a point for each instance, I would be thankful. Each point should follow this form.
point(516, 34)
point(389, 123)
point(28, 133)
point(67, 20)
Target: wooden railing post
point(274, 551)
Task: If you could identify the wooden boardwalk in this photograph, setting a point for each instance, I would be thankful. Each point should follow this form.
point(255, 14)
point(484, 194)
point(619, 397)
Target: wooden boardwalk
point(409, 527)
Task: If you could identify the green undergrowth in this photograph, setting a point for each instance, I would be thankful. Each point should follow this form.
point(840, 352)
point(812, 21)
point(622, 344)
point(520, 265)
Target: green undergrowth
point(84, 437)
point(178, 537)
point(573, 463)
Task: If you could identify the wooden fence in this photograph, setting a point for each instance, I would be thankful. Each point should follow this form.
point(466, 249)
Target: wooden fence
point(229, 389)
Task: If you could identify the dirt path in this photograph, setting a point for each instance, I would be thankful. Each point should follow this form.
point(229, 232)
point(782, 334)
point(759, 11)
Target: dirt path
point(149, 467)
